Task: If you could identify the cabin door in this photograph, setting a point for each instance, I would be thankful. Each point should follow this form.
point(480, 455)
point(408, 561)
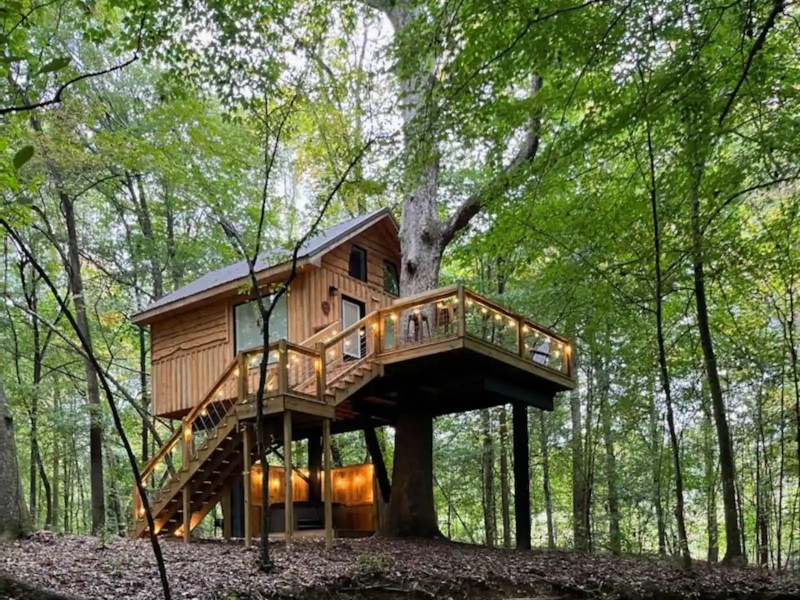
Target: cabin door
point(352, 312)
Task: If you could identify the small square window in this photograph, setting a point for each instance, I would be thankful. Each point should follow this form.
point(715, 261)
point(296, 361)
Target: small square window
point(391, 281)
point(358, 263)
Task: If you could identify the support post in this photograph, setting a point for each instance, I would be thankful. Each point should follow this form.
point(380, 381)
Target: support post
point(288, 511)
point(521, 336)
point(314, 468)
point(328, 459)
point(321, 372)
point(187, 512)
point(247, 453)
point(241, 381)
point(522, 488)
point(186, 447)
point(283, 367)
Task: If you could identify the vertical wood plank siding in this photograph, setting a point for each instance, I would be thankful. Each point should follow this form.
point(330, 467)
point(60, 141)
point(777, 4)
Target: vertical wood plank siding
point(191, 348)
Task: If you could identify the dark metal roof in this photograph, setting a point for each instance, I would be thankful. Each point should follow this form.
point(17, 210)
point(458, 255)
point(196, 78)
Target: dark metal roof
point(268, 259)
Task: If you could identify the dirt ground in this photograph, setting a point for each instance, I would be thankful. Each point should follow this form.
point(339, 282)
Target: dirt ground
point(87, 568)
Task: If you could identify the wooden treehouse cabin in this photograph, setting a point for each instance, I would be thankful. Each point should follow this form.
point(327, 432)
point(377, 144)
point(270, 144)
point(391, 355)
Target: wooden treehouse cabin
point(345, 354)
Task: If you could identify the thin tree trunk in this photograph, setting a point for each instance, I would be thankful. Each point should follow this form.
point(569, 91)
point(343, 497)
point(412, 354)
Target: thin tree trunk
point(505, 489)
point(614, 534)
point(580, 535)
point(709, 463)
point(666, 385)
point(544, 440)
point(733, 553)
point(656, 452)
point(489, 509)
point(93, 391)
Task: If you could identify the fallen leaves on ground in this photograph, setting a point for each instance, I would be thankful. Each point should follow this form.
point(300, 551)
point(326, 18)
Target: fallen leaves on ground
point(88, 568)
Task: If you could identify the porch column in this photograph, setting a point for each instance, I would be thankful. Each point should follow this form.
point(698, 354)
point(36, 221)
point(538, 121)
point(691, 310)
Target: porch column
point(246, 451)
point(522, 487)
point(288, 511)
point(326, 446)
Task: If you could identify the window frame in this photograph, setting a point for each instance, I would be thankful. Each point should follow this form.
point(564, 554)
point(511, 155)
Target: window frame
point(284, 298)
point(363, 251)
point(396, 275)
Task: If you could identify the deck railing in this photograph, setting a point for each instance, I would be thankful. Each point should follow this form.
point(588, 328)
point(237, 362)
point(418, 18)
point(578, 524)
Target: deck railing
point(308, 370)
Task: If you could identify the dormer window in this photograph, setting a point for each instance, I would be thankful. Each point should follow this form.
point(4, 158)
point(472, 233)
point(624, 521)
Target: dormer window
point(358, 263)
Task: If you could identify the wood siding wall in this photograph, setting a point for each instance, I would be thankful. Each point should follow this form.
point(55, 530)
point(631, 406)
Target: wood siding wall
point(190, 349)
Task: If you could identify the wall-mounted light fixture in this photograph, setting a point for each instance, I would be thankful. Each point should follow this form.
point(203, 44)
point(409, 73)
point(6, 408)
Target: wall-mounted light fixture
point(332, 291)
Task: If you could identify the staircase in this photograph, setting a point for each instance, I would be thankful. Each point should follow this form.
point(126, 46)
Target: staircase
point(206, 455)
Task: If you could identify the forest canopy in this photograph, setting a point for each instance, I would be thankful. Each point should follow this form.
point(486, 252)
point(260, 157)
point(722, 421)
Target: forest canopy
point(624, 172)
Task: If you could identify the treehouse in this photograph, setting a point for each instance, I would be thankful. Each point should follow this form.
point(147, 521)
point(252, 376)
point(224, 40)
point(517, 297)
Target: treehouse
point(346, 353)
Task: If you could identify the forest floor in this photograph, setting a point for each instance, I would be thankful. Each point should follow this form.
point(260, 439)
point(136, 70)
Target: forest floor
point(87, 568)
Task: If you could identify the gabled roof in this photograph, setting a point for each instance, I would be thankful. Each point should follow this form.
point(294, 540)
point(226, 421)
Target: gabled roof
point(275, 260)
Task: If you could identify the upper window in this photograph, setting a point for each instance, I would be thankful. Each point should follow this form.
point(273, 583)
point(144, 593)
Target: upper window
point(248, 330)
point(358, 263)
point(391, 282)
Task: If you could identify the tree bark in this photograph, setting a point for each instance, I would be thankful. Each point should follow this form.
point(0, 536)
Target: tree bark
point(13, 515)
point(656, 453)
point(411, 510)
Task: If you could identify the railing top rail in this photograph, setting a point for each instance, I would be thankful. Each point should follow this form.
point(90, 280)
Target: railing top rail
point(512, 315)
point(422, 298)
point(351, 329)
point(161, 453)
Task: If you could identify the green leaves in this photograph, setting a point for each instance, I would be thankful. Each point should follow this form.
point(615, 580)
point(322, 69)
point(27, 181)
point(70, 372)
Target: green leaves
point(22, 156)
point(55, 65)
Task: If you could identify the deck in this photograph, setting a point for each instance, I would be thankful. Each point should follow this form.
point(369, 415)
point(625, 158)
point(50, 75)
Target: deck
point(445, 351)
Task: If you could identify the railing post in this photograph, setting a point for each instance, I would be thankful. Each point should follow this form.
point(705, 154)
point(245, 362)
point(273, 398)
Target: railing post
point(242, 380)
point(321, 371)
point(566, 366)
point(461, 311)
point(283, 367)
point(376, 334)
point(187, 437)
point(520, 336)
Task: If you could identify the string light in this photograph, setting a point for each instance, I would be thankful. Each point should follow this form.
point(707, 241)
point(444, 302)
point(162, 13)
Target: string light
point(393, 317)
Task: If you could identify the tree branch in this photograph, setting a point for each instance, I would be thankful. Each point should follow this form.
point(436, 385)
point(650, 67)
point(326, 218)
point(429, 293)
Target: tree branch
point(777, 8)
point(525, 154)
point(56, 99)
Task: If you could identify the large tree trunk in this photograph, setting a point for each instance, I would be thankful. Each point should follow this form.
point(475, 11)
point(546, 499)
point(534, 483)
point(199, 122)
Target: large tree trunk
point(93, 391)
point(13, 516)
point(411, 510)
